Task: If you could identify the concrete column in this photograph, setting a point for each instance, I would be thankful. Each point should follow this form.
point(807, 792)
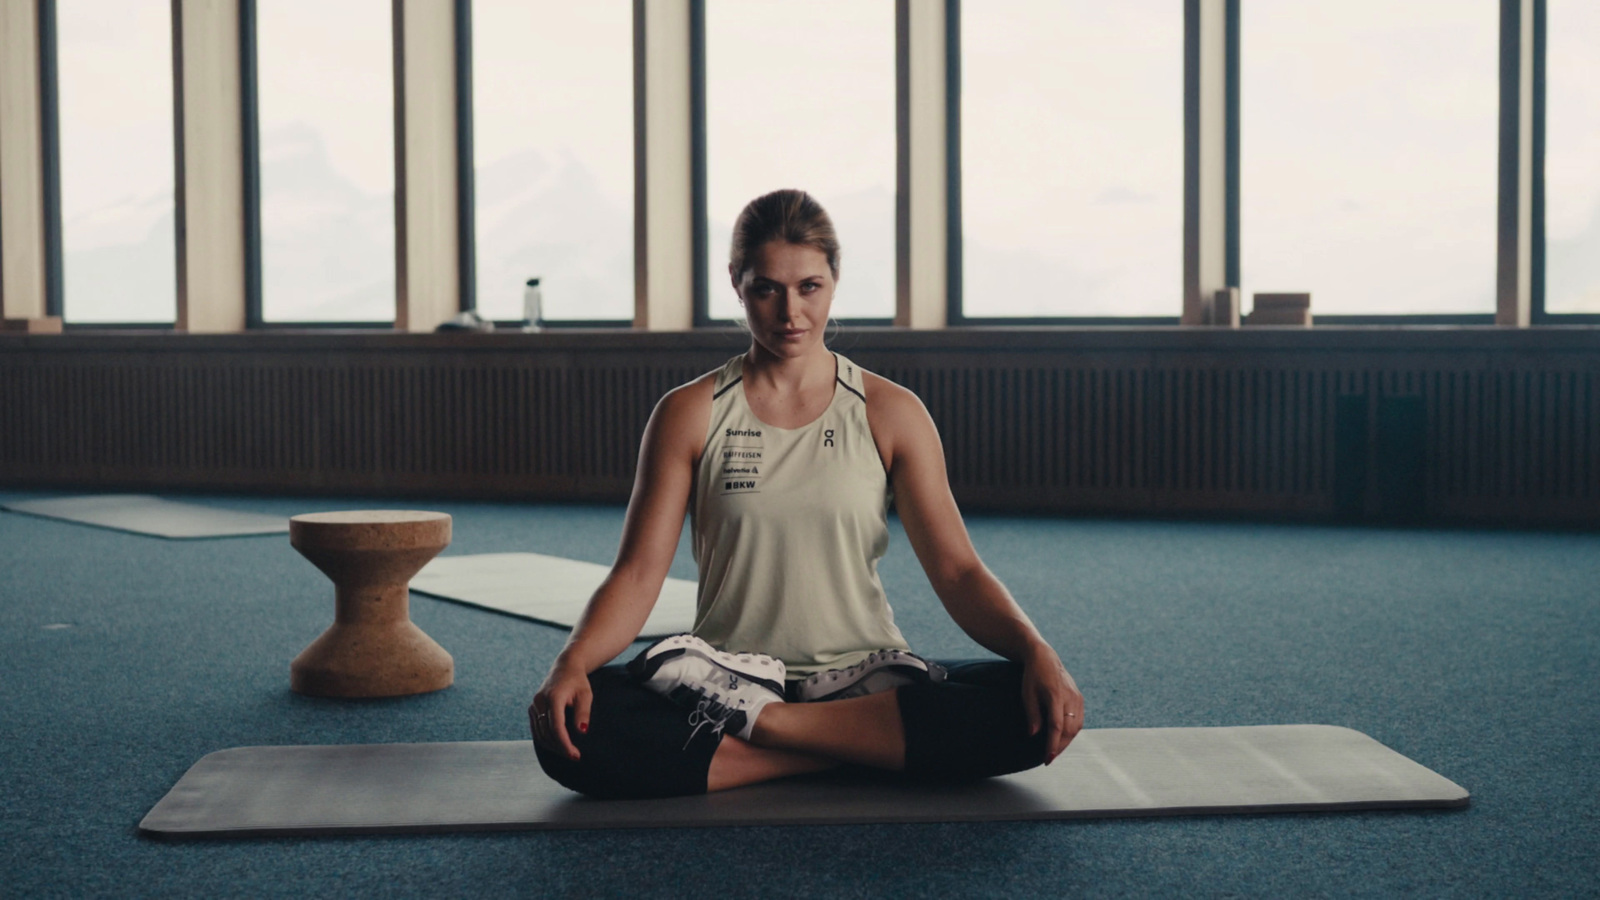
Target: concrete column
point(23, 288)
point(1205, 151)
point(427, 257)
point(922, 166)
point(1514, 259)
point(210, 152)
point(663, 164)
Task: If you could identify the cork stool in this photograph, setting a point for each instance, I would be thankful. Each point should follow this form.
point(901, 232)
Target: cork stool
point(372, 649)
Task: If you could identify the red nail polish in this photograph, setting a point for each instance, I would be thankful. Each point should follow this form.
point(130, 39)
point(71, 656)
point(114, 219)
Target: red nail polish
point(583, 727)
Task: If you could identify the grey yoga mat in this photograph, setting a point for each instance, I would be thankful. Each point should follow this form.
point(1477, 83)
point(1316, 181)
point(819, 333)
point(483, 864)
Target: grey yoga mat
point(548, 589)
point(143, 514)
point(498, 785)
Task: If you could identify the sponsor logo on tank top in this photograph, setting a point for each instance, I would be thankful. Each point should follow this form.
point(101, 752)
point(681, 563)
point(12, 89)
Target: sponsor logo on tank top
point(741, 479)
point(827, 437)
point(740, 455)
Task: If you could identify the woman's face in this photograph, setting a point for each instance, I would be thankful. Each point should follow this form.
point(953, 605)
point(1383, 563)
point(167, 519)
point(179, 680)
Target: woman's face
point(786, 290)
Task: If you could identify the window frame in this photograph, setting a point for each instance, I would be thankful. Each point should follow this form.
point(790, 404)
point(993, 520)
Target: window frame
point(50, 175)
point(699, 177)
point(1538, 315)
point(1231, 194)
point(1233, 236)
point(250, 133)
point(955, 312)
point(701, 319)
point(466, 189)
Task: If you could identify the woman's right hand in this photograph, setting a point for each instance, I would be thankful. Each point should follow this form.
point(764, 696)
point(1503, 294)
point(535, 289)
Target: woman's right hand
point(566, 687)
point(673, 440)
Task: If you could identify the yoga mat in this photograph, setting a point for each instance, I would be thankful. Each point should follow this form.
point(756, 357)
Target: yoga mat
point(143, 514)
point(547, 589)
point(498, 785)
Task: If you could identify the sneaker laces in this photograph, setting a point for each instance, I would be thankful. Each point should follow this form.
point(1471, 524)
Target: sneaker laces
point(882, 669)
point(872, 659)
point(709, 710)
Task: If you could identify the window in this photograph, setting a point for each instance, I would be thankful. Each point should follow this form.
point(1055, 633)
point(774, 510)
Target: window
point(1071, 158)
point(114, 70)
point(803, 96)
point(1572, 157)
point(552, 86)
point(325, 76)
point(1368, 135)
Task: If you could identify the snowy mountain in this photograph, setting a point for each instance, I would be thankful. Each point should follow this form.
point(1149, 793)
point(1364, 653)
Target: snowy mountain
point(545, 215)
point(327, 247)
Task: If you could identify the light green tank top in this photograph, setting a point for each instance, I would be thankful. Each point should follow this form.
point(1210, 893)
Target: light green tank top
point(789, 525)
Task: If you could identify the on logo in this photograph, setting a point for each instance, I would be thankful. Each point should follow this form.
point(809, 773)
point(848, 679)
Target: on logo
point(827, 438)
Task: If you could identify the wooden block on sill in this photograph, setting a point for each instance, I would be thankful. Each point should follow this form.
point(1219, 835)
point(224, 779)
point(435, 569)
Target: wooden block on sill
point(1221, 308)
point(1282, 301)
point(42, 325)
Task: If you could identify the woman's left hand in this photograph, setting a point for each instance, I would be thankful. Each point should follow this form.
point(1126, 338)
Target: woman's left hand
point(1051, 699)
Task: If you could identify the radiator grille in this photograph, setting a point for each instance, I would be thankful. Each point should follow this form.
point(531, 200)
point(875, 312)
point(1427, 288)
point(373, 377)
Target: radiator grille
point(1464, 435)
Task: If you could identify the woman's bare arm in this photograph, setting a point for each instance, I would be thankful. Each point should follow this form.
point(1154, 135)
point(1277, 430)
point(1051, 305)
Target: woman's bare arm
point(909, 445)
point(672, 443)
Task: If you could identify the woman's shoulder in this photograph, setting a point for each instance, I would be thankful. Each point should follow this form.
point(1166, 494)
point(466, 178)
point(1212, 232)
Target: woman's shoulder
point(677, 427)
point(691, 398)
point(896, 416)
point(885, 396)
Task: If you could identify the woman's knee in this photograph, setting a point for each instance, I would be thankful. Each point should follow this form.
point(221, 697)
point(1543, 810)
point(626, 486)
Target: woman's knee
point(638, 745)
point(971, 726)
point(564, 770)
point(606, 771)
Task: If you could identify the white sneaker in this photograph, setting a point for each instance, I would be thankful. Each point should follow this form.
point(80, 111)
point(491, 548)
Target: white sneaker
point(882, 671)
point(724, 690)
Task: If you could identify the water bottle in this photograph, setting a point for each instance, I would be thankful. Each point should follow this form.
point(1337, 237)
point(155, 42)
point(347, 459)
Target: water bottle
point(532, 305)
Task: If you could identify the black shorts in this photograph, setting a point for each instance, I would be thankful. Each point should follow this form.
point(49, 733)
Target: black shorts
point(640, 744)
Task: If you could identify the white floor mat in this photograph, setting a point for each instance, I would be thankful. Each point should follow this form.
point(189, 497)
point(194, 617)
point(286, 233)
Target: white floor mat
point(548, 589)
point(144, 514)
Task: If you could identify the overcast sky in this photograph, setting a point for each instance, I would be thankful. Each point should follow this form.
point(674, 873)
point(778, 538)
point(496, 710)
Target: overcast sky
point(325, 72)
point(114, 84)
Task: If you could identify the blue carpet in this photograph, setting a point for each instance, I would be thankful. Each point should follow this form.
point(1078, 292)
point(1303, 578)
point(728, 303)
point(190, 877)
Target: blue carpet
point(1472, 652)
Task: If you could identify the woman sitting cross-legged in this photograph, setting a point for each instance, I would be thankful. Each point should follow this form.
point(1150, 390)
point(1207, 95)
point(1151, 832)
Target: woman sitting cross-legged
point(785, 457)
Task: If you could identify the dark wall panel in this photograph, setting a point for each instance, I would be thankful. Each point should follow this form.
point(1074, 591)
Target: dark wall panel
point(1399, 425)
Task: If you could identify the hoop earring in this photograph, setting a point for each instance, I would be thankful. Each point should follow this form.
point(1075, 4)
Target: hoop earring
point(836, 329)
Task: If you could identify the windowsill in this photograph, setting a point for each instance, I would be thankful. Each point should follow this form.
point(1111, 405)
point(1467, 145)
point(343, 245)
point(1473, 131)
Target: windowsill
point(975, 338)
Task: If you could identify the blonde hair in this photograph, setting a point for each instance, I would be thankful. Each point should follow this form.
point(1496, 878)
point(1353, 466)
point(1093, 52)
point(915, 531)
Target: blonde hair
point(788, 215)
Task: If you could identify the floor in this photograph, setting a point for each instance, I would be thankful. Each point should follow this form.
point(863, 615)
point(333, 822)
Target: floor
point(125, 658)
